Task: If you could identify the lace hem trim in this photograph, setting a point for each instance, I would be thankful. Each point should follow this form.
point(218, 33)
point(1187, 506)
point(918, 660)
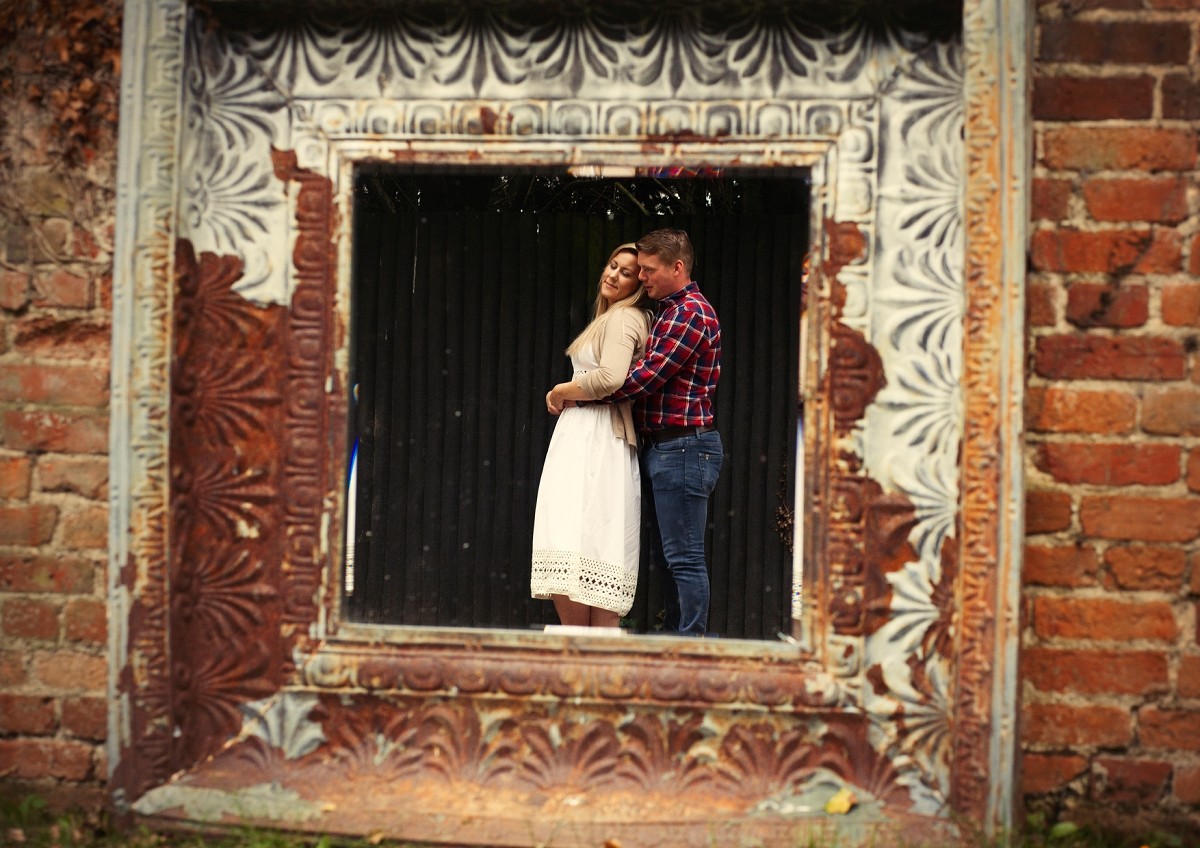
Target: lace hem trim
point(586, 580)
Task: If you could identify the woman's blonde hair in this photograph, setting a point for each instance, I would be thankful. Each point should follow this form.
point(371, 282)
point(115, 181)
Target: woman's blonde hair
point(639, 299)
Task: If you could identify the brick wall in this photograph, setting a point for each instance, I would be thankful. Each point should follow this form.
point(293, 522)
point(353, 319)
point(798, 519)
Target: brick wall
point(1111, 674)
point(56, 230)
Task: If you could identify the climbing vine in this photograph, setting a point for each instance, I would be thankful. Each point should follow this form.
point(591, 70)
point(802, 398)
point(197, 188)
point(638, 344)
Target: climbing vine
point(63, 59)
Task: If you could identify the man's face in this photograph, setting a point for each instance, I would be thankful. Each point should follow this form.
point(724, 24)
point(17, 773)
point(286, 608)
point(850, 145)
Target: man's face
point(660, 278)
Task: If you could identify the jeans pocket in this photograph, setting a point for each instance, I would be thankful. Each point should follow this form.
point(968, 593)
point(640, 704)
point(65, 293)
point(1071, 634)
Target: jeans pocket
point(710, 462)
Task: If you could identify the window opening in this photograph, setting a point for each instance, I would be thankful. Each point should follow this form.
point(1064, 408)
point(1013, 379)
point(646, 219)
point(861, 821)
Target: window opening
point(467, 286)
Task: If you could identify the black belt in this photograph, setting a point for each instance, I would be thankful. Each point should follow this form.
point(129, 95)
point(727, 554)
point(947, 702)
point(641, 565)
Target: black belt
point(657, 437)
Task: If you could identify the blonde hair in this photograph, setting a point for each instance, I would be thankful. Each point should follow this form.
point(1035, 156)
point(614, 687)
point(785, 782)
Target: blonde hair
point(639, 299)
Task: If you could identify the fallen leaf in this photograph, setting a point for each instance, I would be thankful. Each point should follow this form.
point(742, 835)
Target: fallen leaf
point(842, 802)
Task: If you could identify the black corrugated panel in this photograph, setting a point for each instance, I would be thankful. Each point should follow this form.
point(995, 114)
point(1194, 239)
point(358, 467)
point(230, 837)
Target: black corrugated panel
point(460, 317)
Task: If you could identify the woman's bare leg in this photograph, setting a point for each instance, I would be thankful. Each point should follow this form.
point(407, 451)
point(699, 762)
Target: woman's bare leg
point(571, 612)
point(604, 618)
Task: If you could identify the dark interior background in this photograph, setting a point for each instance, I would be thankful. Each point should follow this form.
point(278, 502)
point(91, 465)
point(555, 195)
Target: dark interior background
point(467, 286)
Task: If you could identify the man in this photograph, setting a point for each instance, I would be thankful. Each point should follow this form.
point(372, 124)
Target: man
point(673, 386)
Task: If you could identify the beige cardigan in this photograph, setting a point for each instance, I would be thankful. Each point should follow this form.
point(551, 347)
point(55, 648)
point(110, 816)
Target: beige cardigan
point(621, 343)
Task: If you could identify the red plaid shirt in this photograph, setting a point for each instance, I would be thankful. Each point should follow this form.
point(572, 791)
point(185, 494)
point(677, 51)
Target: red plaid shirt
point(673, 384)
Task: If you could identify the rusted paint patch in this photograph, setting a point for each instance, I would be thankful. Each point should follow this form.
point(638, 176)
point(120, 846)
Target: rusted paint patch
point(493, 772)
point(315, 414)
point(628, 678)
point(846, 245)
point(226, 539)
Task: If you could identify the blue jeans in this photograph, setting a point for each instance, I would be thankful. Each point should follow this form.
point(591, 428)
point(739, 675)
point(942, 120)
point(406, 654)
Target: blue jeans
point(682, 473)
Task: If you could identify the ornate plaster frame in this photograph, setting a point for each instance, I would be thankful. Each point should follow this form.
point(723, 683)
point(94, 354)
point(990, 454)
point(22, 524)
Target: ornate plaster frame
point(145, 696)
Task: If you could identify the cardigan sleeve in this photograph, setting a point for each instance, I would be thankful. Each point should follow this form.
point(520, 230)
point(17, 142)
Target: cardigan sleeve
point(623, 336)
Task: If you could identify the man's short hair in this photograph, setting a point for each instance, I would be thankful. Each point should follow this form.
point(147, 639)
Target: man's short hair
point(668, 245)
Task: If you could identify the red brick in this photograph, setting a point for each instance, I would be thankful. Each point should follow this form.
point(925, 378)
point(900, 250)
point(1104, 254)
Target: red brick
point(1181, 302)
point(27, 524)
point(1096, 672)
point(1173, 729)
point(1041, 309)
point(61, 288)
point(1193, 470)
point(85, 527)
point(27, 618)
point(1120, 251)
point(14, 290)
point(85, 718)
point(15, 477)
point(1069, 565)
point(1061, 726)
point(1093, 98)
point(35, 573)
point(1142, 782)
point(1172, 412)
point(12, 669)
point(1094, 305)
point(1042, 773)
point(1151, 199)
point(1180, 97)
point(1195, 567)
point(1187, 784)
point(69, 385)
point(1146, 567)
point(34, 759)
point(104, 292)
point(26, 714)
point(1065, 410)
point(1140, 148)
point(86, 621)
point(79, 338)
point(83, 475)
point(1141, 519)
point(1188, 685)
point(1087, 357)
point(1164, 255)
point(1046, 512)
point(1110, 464)
point(1108, 43)
point(1103, 620)
point(1051, 199)
point(70, 671)
point(53, 431)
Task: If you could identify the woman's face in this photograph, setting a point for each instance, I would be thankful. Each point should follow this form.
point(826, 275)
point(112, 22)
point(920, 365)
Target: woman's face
point(620, 278)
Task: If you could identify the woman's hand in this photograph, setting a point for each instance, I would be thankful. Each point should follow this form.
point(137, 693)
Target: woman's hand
point(562, 396)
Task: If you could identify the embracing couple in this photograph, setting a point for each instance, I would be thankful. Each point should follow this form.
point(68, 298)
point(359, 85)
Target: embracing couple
point(645, 370)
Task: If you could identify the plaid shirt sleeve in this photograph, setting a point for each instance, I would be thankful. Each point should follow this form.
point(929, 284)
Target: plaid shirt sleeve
point(673, 341)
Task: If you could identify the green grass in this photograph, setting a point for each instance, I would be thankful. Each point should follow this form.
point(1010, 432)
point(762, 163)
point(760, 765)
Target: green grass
point(28, 821)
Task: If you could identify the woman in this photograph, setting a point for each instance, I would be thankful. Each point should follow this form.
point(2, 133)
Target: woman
point(586, 531)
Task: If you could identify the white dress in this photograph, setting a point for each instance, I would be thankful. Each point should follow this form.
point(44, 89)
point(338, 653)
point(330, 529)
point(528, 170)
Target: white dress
point(587, 528)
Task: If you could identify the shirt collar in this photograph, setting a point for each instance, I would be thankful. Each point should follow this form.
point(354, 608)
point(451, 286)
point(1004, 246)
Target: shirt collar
point(662, 303)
